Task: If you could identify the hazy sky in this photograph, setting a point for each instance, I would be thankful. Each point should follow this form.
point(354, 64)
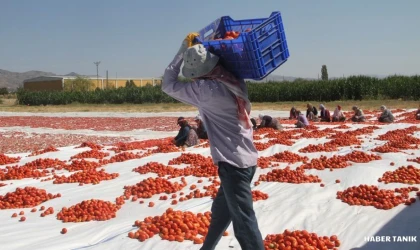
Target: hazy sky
point(138, 38)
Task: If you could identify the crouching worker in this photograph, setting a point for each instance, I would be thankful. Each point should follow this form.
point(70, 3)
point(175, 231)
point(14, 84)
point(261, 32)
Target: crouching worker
point(268, 122)
point(223, 103)
point(386, 116)
point(324, 114)
point(200, 128)
point(338, 115)
point(358, 115)
point(186, 135)
point(302, 121)
point(418, 114)
point(254, 123)
point(311, 113)
point(293, 113)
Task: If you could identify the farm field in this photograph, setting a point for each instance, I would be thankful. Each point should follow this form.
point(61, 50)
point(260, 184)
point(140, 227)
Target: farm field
point(9, 105)
point(108, 180)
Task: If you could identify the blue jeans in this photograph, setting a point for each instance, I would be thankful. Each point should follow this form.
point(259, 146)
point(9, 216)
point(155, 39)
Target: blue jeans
point(234, 203)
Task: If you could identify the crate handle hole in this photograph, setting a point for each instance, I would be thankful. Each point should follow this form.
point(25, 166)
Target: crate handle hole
point(208, 33)
point(266, 29)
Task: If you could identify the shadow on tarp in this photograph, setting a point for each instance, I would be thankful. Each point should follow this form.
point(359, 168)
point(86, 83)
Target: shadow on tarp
point(406, 223)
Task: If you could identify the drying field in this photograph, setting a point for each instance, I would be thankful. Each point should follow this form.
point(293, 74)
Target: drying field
point(114, 181)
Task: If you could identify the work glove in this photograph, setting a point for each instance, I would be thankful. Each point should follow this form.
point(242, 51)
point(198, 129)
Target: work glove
point(188, 42)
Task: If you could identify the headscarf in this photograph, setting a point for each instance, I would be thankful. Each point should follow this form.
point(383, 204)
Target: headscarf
point(182, 122)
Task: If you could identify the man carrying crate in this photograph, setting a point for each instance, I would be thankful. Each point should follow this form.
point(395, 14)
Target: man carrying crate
point(223, 104)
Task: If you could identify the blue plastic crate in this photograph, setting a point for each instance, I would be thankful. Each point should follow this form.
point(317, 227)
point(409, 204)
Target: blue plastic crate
point(254, 54)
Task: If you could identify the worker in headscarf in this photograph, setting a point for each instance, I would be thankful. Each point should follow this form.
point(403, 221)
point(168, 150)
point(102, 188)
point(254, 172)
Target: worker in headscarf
point(338, 115)
point(311, 112)
point(358, 115)
point(293, 114)
point(324, 114)
point(267, 121)
point(386, 115)
point(200, 128)
point(186, 135)
point(302, 121)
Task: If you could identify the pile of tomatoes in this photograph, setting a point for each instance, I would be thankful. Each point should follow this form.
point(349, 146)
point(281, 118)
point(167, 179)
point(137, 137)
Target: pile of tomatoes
point(311, 148)
point(94, 153)
point(289, 157)
point(397, 133)
point(160, 169)
point(323, 162)
point(84, 165)
point(289, 176)
point(286, 156)
point(189, 158)
point(151, 186)
point(361, 157)
point(174, 226)
point(17, 173)
point(46, 150)
point(90, 145)
point(265, 162)
point(369, 195)
point(386, 148)
point(44, 163)
point(4, 159)
point(300, 240)
point(313, 134)
point(342, 140)
point(89, 210)
point(164, 145)
point(25, 197)
point(407, 175)
point(342, 126)
point(124, 156)
point(91, 176)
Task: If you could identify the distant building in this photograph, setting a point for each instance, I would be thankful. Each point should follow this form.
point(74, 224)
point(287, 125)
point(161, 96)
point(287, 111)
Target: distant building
point(60, 83)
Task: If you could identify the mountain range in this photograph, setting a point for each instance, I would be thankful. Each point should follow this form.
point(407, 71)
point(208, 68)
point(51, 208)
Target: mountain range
point(14, 80)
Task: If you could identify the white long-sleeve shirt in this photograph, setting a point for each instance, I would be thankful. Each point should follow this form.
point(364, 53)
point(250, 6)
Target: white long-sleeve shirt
point(229, 141)
point(338, 113)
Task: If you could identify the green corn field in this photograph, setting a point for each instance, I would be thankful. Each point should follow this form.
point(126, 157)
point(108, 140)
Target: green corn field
point(350, 88)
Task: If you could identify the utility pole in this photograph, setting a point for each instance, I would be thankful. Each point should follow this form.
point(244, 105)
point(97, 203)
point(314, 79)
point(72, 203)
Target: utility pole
point(97, 73)
point(106, 79)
